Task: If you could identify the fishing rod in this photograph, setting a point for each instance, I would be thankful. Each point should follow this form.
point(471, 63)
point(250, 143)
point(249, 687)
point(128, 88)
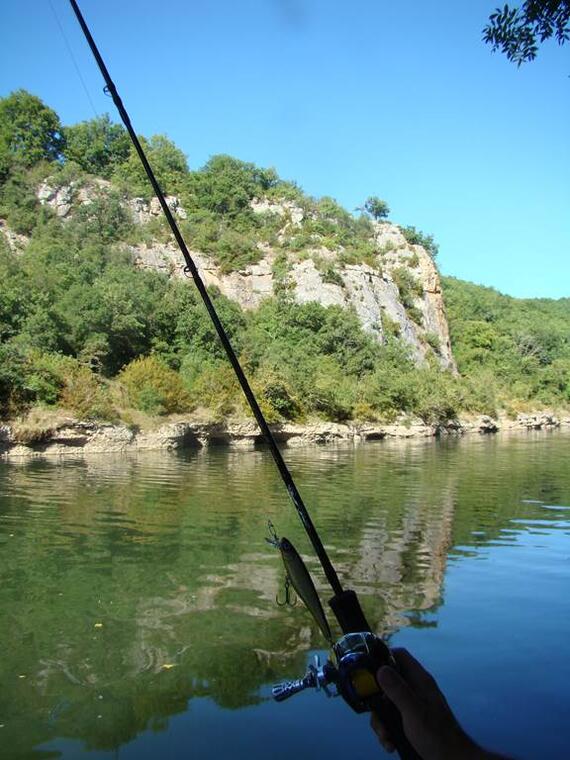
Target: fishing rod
point(359, 653)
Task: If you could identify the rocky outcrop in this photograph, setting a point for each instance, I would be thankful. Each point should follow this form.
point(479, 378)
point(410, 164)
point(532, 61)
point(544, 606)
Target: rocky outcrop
point(290, 213)
point(430, 303)
point(62, 199)
point(144, 211)
point(538, 420)
point(72, 437)
point(15, 242)
point(372, 292)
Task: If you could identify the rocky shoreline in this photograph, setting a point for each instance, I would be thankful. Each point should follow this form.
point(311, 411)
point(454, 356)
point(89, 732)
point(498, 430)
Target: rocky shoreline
point(73, 437)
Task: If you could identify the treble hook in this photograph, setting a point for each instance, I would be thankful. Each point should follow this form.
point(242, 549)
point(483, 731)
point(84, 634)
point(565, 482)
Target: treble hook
point(290, 598)
point(273, 537)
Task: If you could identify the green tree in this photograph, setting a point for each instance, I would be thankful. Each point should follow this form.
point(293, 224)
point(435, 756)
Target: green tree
point(226, 185)
point(517, 32)
point(98, 145)
point(168, 163)
point(29, 132)
point(377, 208)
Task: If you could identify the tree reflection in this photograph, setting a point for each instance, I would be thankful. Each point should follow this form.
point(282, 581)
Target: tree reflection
point(131, 586)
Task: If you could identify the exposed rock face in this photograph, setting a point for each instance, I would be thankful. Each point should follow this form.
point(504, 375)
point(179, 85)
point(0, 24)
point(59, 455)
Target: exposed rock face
point(62, 199)
point(72, 437)
point(371, 291)
point(143, 211)
point(365, 289)
point(290, 213)
point(16, 243)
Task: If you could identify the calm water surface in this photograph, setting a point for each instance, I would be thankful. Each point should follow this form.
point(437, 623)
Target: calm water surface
point(137, 596)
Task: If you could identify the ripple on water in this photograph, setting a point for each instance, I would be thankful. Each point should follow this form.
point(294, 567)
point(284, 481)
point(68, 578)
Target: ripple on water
point(150, 577)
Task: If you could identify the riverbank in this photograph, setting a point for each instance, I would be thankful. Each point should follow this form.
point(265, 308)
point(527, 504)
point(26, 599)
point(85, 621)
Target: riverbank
point(68, 436)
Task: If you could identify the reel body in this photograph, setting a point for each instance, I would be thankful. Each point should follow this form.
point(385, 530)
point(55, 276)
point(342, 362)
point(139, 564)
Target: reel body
point(351, 671)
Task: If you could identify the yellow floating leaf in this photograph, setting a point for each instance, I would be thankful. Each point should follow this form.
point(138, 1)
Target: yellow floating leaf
point(98, 625)
point(168, 665)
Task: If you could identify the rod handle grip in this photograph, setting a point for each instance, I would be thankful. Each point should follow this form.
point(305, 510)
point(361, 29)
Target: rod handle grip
point(390, 716)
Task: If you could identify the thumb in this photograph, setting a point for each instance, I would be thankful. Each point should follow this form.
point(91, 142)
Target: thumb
point(397, 690)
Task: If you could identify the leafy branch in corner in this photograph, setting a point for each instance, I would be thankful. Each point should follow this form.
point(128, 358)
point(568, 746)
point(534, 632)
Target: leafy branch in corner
point(517, 32)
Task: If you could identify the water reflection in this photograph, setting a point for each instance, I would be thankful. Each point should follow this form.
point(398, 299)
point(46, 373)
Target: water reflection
point(133, 585)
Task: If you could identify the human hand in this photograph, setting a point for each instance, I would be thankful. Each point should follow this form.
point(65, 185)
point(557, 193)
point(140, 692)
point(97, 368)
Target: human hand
point(429, 723)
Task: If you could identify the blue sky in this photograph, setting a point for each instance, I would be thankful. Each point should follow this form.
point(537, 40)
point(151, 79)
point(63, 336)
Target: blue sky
point(351, 99)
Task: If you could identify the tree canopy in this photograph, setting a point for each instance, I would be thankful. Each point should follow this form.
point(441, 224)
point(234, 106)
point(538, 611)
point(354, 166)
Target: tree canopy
point(30, 131)
point(517, 32)
point(98, 146)
point(377, 208)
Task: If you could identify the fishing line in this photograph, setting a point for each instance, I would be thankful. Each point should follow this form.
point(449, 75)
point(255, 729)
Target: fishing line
point(70, 52)
point(191, 269)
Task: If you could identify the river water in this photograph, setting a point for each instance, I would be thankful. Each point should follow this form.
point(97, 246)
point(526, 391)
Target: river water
point(137, 595)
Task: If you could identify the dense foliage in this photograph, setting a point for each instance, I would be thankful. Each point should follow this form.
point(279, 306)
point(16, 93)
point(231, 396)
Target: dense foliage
point(82, 329)
point(519, 346)
point(29, 132)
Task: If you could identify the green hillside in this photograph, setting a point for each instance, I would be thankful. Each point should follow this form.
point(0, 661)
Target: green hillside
point(84, 331)
point(520, 346)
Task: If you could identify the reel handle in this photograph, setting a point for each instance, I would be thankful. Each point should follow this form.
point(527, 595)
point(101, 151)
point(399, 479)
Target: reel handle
point(283, 691)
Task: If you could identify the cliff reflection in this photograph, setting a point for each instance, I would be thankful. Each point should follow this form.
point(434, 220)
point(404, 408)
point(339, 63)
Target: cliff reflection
point(132, 585)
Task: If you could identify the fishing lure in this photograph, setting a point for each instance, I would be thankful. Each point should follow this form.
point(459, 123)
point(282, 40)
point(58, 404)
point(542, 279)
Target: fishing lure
point(299, 577)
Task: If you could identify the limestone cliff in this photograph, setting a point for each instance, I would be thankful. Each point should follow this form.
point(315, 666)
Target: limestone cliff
point(379, 292)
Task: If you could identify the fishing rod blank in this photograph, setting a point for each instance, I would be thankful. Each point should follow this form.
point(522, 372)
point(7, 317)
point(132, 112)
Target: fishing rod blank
point(191, 268)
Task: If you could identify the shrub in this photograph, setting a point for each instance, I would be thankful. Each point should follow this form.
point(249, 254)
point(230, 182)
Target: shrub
point(332, 394)
point(280, 270)
point(415, 315)
point(437, 396)
point(19, 205)
point(235, 251)
point(216, 388)
point(413, 261)
point(360, 252)
point(432, 339)
point(154, 388)
point(415, 237)
point(105, 218)
point(409, 289)
point(389, 391)
point(276, 397)
point(408, 286)
point(29, 377)
point(331, 275)
point(390, 327)
point(86, 395)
